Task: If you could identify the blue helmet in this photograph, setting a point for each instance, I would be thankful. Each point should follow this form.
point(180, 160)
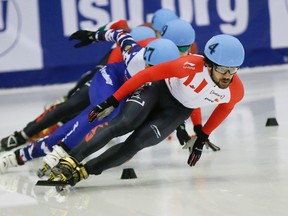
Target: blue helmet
point(142, 32)
point(225, 50)
point(161, 17)
point(179, 31)
point(159, 51)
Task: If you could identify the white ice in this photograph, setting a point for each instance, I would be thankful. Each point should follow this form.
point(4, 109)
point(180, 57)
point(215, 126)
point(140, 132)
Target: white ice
point(249, 176)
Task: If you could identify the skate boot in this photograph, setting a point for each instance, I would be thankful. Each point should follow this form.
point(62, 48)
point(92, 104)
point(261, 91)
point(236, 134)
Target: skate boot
point(69, 171)
point(12, 141)
point(51, 160)
point(6, 161)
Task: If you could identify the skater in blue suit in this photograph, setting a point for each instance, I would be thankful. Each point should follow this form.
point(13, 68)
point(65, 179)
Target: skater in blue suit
point(104, 83)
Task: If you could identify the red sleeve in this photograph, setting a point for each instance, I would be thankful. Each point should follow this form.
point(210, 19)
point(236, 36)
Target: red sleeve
point(120, 24)
point(143, 43)
point(196, 117)
point(159, 72)
point(115, 56)
point(223, 110)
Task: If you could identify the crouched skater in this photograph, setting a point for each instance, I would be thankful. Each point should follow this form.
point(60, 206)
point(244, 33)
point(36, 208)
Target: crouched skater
point(155, 109)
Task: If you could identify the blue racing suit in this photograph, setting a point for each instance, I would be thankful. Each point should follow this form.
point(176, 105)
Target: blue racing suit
point(105, 82)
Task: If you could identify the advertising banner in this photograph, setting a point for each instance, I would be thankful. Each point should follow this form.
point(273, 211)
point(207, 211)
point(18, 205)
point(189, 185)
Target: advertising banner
point(34, 34)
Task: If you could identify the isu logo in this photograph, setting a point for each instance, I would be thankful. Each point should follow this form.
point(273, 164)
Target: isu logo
point(10, 25)
point(189, 65)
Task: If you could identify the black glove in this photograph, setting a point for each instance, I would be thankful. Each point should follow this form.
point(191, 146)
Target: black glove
point(197, 148)
point(208, 144)
point(103, 109)
point(182, 134)
point(85, 38)
point(197, 129)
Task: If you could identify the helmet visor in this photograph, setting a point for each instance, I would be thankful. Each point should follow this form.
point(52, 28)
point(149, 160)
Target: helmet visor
point(224, 70)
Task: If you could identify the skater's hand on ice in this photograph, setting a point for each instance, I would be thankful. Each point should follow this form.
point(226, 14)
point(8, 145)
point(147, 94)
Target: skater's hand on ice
point(182, 135)
point(196, 149)
point(208, 144)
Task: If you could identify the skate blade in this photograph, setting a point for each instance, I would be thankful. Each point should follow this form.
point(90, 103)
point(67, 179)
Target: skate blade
point(51, 183)
point(41, 172)
point(61, 189)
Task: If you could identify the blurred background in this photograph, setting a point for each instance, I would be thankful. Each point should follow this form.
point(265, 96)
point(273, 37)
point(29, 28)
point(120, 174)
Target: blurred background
point(34, 34)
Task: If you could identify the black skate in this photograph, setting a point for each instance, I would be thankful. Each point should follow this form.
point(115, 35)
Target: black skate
point(52, 159)
point(59, 185)
point(43, 171)
point(67, 172)
point(12, 141)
